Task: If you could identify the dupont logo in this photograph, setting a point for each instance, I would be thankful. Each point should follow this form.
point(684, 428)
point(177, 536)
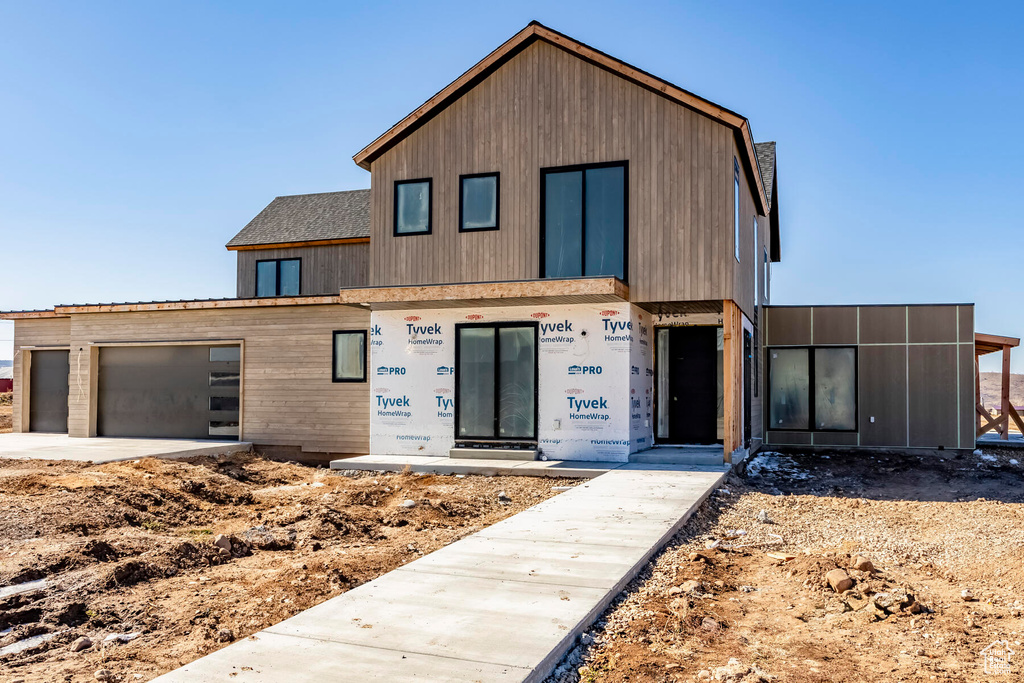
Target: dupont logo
point(443, 390)
point(384, 371)
point(412, 318)
point(609, 312)
point(574, 391)
point(539, 315)
point(585, 369)
point(474, 316)
point(445, 370)
point(382, 390)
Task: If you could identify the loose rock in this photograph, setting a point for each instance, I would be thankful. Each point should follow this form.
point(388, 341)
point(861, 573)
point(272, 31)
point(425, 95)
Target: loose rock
point(839, 580)
point(104, 675)
point(83, 643)
point(863, 564)
point(223, 542)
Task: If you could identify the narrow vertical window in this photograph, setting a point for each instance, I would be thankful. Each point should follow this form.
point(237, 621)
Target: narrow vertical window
point(349, 356)
point(478, 202)
point(767, 274)
point(412, 207)
point(756, 300)
point(736, 205)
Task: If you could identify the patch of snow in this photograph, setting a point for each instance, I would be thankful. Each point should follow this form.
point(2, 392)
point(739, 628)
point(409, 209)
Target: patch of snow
point(1013, 461)
point(775, 465)
point(988, 458)
point(28, 643)
point(977, 452)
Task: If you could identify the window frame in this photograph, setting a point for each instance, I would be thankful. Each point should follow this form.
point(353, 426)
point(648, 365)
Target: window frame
point(767, 276)
point(811, 398)
point(736, 205)
point(430, 208)
point(497, 383)
point(277, 276)
point(757, 290)
point(583, 168)
point(334, 357)
point(497, 200)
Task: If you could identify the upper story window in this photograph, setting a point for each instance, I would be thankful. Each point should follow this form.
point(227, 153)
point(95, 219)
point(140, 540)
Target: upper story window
point(478, 202)
point(736, 205)
point(756, 300)
point(767, 274)
point(279, 277)
point(584, 220)
point(412, 207)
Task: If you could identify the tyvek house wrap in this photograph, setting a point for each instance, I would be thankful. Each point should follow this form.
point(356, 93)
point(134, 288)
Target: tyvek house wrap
point(594, 379)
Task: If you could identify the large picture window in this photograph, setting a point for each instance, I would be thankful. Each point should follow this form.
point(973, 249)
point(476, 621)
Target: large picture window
point(412, 207)
point(349, 356)
point(813, 388)
point(279, 277)
point(584, 228)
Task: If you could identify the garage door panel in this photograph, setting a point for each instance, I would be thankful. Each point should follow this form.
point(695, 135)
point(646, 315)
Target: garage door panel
point(48, 392)
point(168, 392)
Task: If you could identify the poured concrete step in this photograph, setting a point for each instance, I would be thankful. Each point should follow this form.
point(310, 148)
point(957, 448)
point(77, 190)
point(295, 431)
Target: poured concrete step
point(493, 453)
point(680, 455)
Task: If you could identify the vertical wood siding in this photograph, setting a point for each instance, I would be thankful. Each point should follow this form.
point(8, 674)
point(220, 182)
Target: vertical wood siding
point(40, 332)
point(547, 108)
point(325, 269)
point(288, 396)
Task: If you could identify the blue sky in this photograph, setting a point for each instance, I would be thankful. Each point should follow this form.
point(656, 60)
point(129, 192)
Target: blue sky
point(137, 138)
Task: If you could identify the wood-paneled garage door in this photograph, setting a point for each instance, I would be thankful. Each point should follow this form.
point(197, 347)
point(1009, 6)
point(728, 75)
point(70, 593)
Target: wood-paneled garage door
point(48, 392)
point(175, 392)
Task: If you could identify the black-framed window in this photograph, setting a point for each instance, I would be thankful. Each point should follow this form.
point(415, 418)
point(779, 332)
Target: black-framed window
point(813, 388)
point(584, 220)
point(767, 275)
point(348, 356)
point(736, 205)
point(278, 277)
point(496, 381)
point(413, 207)
point(479, 201)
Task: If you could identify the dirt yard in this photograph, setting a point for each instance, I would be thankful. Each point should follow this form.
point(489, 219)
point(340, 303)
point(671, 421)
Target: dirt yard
point(6, 412)
point(128, 548)
point(932, 529)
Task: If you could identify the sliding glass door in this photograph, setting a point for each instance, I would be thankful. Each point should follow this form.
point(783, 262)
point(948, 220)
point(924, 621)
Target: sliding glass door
point(496, 381)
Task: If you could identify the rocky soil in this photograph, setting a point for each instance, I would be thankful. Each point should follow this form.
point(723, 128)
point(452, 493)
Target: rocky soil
point(143, 566)
point(6, 412)
point(933, 550)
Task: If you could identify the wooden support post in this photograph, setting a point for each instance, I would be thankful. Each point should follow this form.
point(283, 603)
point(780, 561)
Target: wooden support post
point(1004, 397)
point(977, 388)
point(732, 377)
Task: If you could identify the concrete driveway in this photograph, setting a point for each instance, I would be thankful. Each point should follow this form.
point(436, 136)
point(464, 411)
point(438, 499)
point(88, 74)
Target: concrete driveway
point(36, 446)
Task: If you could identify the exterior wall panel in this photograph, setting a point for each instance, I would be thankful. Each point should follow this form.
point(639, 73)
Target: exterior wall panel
point(882, 396)
point(546, 108)
point(41, 333)
point(835, 324)
point(325, 269)
point(288, 397)
point(915, 384)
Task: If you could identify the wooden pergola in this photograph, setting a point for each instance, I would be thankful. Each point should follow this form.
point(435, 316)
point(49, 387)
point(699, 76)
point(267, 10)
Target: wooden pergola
point(985, 344)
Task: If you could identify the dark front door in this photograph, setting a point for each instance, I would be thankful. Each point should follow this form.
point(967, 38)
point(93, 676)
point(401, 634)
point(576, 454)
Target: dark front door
point(48, 392)
point(496, 382)
point(692, 396)
point(748, 354)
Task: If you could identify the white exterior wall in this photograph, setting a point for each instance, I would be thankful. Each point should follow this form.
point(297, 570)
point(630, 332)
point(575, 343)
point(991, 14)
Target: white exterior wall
point(585, 358)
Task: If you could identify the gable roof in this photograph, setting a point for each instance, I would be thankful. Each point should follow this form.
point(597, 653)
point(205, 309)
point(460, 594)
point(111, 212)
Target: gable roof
point(766, 160)
point(536, 31)
point(321, 217)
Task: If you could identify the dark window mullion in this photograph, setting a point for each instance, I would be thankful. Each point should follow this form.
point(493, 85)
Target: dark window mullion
point(811, 390)
point(497, 383)
point(583, 223)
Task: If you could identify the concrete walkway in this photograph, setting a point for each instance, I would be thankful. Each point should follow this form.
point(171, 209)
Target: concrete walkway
point(504, 604)
point(526, 468)
point(35, 446)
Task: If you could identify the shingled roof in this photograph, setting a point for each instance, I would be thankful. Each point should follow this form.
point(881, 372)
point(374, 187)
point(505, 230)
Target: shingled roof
point(308, 218)
point(766, 160)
